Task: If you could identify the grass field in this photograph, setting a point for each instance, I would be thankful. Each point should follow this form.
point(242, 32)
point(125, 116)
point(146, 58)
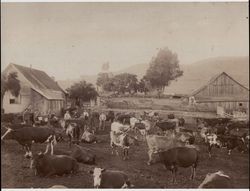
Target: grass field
point(16, 172)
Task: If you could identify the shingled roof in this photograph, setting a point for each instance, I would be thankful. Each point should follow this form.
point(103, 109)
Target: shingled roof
point(41, 82)
point(38, 78)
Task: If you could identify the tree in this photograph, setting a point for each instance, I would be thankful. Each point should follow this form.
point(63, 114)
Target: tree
point(10, 83)
point(105, 81)
point(102, 79)
point(143, 86)
point(163, 69)
point(82, 91)
point(125, 82)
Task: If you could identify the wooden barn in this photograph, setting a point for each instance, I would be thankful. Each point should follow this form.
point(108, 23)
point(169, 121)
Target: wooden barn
point(39, 92)
point(209, 92)
point(222, 90)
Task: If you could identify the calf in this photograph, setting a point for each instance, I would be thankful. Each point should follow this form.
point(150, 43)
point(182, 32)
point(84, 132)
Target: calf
point(110, 179)
point(212, 140)
point(47, 165)
point(122, 140)
point(216, 180)
point(180, 157)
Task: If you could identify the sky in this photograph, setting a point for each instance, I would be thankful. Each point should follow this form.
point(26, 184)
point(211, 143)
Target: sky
point(68, 40)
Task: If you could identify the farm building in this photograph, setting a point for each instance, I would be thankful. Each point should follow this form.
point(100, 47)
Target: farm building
point(38, 91)
point(221, 90)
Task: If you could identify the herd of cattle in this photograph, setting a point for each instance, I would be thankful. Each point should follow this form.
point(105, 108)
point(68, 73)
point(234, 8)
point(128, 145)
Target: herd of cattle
point(169, 142)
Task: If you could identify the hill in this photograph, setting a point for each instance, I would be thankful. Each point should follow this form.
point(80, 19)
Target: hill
point(196, 73)
point(199, 73)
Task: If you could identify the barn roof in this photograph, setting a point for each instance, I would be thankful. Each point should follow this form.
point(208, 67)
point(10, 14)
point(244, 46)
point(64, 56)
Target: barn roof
point(41, 82)
point(191, 84)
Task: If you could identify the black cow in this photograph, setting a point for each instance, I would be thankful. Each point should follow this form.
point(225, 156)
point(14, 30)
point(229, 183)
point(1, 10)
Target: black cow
point(110, 116)
point(181, 121)
point(26, 135)
point(232, 142)
point(166, 125)
point(180, 157)
point(123, 118)
point(46, 165)
point(81, 154)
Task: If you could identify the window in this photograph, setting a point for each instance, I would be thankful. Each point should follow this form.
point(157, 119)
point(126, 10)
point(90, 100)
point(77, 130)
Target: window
point(12, 101)
point(240, 104)
point(15, 100)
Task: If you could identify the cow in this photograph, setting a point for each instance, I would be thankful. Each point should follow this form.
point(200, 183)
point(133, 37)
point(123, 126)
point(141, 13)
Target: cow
point(123, 118)
point(180, 157)
point(232, 142)
point(166, 125)
point(94, 121)
point(46, 165)
point(110, 179)
point(217, 180)
point(81, 154)
point(72, 130)
point(27, 135)
point(158, 143)
point(119, 137)
point(110, 116)
point(212, 140)
point(181, 121)
point(88, 137)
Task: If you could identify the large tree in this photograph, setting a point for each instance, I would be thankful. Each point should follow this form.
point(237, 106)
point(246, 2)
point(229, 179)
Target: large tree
point(163, 69)
point(125, 82)
point(10, 83)
point(82, 91)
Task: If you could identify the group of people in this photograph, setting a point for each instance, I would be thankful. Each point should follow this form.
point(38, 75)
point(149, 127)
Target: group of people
point(86, 116)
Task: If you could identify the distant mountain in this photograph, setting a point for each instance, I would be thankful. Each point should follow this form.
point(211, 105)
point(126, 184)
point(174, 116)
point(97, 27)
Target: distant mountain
point(199, 73)
point(196, 73)
point(138, 69)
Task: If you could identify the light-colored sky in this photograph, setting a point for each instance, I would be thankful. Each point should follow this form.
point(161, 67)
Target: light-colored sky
point(72, 39)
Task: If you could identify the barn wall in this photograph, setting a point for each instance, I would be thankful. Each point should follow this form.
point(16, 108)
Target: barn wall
point(223, 86)
point(39, 103)
point(227, 105)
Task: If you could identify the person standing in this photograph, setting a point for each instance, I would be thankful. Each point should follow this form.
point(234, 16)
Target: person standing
point(102, 120)
point(67, 116)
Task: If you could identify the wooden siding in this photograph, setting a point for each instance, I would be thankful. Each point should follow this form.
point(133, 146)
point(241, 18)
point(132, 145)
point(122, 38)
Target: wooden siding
point(228, 106)
point(223, 86)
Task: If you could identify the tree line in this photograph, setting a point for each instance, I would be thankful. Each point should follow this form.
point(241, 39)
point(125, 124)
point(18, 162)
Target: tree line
point(162, 70)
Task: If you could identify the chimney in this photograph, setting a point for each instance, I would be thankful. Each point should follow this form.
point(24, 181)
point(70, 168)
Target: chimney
point(30, 66)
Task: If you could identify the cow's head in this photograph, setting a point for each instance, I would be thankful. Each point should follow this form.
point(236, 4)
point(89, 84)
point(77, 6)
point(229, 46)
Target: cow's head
point(210, 177)
point(97, 174)
point(36, 160)
point(9, 134)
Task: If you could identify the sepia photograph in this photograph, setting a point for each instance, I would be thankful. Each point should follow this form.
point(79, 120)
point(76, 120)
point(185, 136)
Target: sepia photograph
point(128, 95)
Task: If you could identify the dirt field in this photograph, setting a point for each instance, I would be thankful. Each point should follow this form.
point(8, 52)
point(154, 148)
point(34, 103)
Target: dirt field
point(16, 172)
